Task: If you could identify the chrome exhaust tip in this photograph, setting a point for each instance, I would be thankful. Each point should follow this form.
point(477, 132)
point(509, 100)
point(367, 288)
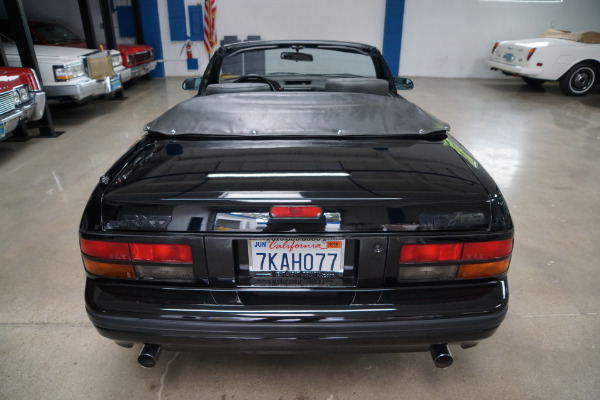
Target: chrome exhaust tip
point(149, 355)
point(440, 354)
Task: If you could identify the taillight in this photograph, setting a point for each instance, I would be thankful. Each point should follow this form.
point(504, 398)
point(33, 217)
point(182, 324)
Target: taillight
point(296, 212)
point(137, 260)
point(110, 250)
point(413, 253)
point(530, 53)
point(163, 253)
point(495, 46)
point(456, 260)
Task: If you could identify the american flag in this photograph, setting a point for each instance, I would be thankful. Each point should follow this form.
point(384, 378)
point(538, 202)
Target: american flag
point(210, 33)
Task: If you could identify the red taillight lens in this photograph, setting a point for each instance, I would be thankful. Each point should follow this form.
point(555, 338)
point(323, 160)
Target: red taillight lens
point(414, 253)
point(110, 250)
point(530, 53)
point(296, 212)
point(495, 46)
point(487, 250)
point(458, 260)
point(163, 253)
point(124, 260)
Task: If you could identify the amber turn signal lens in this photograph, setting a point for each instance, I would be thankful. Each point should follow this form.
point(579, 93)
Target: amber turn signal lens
point(483, 270)
point(109, 269)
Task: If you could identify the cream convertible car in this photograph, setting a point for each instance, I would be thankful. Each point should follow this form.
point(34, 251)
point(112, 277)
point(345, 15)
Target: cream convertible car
point(571, 58)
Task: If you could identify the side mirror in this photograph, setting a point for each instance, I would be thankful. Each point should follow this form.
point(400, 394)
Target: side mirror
point(191, 84)
point(403, 83)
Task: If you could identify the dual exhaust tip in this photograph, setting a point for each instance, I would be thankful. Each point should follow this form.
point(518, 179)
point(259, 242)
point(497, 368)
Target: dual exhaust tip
point(440, 354)
point(149, 355)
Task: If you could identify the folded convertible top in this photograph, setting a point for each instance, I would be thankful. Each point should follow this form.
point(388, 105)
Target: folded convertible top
point(277, 114)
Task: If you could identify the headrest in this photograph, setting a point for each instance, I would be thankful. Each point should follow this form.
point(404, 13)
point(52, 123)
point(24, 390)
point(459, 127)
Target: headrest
point(358, 85)
point(241, 87)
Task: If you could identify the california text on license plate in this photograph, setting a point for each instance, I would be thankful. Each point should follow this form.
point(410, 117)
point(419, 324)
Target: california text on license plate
point(296, 255)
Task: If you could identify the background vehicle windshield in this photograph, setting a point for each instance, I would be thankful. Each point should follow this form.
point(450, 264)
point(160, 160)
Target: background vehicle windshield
point(271, 62)
point(53, 33)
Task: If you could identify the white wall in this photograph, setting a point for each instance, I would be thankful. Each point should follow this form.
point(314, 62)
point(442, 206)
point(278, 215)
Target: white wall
point(452, 38)
point(443, 38)
point(350, 20)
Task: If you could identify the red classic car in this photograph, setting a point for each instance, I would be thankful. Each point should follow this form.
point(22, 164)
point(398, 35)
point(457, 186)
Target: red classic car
point(21, 98)
point(138, 57)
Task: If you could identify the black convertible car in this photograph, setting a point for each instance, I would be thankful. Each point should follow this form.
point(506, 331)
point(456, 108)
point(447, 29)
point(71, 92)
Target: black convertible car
point(297, 203)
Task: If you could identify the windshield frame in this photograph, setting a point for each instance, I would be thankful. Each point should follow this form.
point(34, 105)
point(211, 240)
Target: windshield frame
point(212, 72)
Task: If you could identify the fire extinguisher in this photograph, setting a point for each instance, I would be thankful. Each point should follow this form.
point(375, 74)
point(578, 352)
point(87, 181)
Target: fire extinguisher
point(188, 50)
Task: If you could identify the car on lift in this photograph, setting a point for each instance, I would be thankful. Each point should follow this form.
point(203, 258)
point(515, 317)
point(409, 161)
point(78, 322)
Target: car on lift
point(21, 98)
point(296, 203)
point(139, 58)
point(72, 74)
point(571, 58)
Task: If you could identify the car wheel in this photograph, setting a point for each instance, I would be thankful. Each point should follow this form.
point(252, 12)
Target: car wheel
point(533, 81)
point(579, 80)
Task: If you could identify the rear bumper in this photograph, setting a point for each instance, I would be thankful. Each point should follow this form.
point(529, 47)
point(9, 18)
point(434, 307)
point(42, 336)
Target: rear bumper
point(515, 69)
point(385, 320)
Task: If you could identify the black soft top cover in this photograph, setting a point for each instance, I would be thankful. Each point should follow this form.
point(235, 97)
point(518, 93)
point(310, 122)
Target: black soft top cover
point(298, 114)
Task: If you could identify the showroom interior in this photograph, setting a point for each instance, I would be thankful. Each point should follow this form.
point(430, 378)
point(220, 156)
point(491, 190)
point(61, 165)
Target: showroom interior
point(539, 145)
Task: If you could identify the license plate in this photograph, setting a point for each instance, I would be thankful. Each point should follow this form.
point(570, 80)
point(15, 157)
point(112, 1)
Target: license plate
point(115, 83)
point(2, 132)
point(296, 255)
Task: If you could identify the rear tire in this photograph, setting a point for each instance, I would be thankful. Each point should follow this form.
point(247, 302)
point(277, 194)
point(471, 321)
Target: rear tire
point(533, 81)
point(579, 80)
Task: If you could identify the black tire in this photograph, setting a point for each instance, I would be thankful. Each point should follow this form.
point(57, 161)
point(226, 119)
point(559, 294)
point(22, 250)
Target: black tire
point(533, 81)
point(579, 80)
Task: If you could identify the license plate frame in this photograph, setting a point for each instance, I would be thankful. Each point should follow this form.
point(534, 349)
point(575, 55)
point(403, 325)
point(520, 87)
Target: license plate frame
point(312, 256)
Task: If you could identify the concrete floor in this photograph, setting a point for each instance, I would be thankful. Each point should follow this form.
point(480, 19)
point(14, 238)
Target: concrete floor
point(540, 146)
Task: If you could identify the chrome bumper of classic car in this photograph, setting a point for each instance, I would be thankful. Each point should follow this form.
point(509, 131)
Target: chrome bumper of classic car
point(124, 74)
point(387, 320)
point(514, 69)
point(30, 111)
point(143, 69)
point(83, 89)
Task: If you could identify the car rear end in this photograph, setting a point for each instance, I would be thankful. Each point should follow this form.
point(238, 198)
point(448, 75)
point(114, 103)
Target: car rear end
point(517, 58)
point(296, 245)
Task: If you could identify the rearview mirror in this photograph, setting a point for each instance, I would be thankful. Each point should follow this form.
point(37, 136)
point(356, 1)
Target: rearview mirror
point(290, 55)
point(191, 84)
point(403, 83)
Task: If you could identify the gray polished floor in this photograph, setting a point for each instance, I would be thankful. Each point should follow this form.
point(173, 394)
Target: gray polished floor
point(541, 147)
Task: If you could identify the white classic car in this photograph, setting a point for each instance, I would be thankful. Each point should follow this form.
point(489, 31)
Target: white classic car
point(73, 74)
point(571, 58)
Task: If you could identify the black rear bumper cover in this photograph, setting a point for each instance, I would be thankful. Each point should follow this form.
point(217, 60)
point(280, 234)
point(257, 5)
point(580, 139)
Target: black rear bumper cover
point(349, 328)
